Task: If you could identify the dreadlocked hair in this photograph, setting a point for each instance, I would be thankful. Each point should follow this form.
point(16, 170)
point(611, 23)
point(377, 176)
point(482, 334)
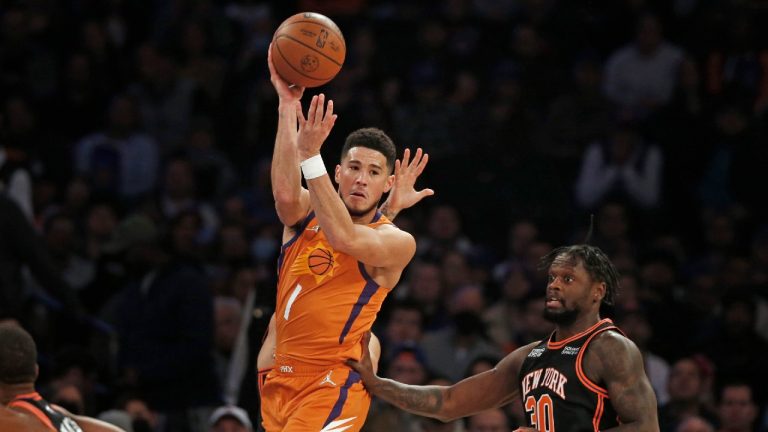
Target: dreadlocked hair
point(595, 261)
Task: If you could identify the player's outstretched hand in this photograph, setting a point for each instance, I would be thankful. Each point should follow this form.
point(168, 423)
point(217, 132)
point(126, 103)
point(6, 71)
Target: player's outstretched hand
point(404, 194)
point(364, 367)
point(286, 93)
point(314, 129)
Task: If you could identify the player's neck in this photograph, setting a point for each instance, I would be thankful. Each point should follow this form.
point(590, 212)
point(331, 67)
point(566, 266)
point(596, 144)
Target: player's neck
point(582, 323)
point(364, 219)
point(9, 392)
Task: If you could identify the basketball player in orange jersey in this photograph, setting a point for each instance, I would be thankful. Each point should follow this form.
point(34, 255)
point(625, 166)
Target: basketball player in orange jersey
point(587, 376)
point(403, 195)
point(339, 259)
point(22, 407)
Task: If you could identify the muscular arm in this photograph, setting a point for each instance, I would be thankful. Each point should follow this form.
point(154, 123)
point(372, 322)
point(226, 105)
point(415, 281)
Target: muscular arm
point(89, 424)
point(489, 389)
point(383, 246)
point(291, 199)
point(620, 365)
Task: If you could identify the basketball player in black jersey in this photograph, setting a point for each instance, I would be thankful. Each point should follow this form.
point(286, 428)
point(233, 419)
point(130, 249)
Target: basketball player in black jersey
point(22, 406)
point(587, 376)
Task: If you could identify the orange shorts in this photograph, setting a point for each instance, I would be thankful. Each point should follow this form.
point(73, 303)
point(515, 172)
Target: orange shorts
point(312, 399)
point(262, 378)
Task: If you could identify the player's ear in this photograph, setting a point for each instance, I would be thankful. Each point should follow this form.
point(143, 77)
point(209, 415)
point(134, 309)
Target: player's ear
point(390, 182)
point(337, 174)
point(37, 372)
point(599, 291)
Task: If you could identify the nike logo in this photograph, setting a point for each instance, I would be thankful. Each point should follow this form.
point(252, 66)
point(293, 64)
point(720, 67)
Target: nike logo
point(338, 425)
point(315, 228)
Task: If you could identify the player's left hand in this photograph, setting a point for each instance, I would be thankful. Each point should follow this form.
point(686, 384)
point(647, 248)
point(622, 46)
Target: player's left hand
point(315, 128)
point(364, 367)
point(404, 194)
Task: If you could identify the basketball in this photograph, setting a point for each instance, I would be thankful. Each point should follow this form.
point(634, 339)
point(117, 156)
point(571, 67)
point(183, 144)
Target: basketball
point(308, 49)
point(320, 261)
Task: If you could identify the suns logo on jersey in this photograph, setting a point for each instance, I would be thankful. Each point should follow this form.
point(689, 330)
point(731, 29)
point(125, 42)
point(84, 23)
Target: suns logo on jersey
point(318, 260)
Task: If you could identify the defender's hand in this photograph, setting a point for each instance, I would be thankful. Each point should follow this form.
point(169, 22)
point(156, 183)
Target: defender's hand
point(364, 367)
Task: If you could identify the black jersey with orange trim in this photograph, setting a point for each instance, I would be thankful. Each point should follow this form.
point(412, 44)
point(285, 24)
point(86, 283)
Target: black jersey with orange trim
point(34, 404)
point(556, 392)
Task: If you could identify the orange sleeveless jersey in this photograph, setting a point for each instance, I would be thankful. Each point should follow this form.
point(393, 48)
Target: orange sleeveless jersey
point(325, 299)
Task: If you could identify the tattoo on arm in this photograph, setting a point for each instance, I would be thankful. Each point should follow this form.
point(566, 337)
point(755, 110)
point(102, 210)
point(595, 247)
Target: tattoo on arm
point(421, 400)
point(389, 213)
point(629, 389)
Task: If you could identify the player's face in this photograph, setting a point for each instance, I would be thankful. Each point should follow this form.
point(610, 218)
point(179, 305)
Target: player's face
point(570, 291)
point(363, 177)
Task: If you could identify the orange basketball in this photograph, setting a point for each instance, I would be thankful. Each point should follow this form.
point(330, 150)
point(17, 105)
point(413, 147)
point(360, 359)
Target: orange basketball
point(308, 49)
point(320, 261)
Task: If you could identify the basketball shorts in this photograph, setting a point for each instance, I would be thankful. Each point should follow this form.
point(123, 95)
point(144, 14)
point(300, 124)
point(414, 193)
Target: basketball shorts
point(300, 399)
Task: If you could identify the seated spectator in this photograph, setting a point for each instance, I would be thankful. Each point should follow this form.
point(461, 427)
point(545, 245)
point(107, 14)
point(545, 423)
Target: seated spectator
point(120, 160)
point(694, 424)
point(737, 410)
point(685, 387)
point(641, 76)
point(622, 167)
point(230, 418)
point(449, 351)
point(493, 420)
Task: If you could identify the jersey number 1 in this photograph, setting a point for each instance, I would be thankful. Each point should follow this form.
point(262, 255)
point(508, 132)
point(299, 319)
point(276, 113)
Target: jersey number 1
point(291, 299)
point(542, 416)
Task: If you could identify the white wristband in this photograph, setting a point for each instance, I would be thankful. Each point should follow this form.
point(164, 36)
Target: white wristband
point(313, 167)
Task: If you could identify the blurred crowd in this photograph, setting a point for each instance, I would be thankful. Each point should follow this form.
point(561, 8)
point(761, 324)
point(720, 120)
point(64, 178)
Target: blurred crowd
point(138, 238)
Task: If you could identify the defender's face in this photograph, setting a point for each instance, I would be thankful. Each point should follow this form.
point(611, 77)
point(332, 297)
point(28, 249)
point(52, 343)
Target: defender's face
point(363, 177)
point(570, 291)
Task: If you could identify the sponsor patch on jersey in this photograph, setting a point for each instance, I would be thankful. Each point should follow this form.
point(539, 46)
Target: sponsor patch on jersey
point(536, 352)
point(570, 350)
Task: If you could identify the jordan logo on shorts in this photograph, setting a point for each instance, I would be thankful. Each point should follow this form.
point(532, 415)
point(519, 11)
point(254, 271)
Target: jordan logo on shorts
point(328, 380)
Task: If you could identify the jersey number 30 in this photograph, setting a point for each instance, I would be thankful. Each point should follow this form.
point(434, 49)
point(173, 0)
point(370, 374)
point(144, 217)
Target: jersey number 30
point(542, 417)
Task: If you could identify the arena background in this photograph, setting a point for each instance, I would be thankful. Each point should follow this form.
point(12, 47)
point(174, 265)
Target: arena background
point(136, 140)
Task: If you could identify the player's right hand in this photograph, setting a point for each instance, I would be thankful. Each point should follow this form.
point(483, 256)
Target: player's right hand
point(285, 91)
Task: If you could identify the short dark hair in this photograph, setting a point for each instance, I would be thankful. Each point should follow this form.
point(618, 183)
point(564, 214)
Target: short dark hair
point(374, 139)
point(596, 262)
point(18, 355)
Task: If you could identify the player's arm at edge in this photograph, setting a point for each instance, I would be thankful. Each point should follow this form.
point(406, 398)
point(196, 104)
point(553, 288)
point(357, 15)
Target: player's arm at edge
point(621, 368)
point(13, 420)
point(291, 199)
point(89, 424)
point(490, 389)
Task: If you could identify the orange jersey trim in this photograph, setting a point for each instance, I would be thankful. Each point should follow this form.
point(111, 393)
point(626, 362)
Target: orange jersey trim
point(560, 344)
point(580, 370)
point(598, 412)
point(28, 407)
